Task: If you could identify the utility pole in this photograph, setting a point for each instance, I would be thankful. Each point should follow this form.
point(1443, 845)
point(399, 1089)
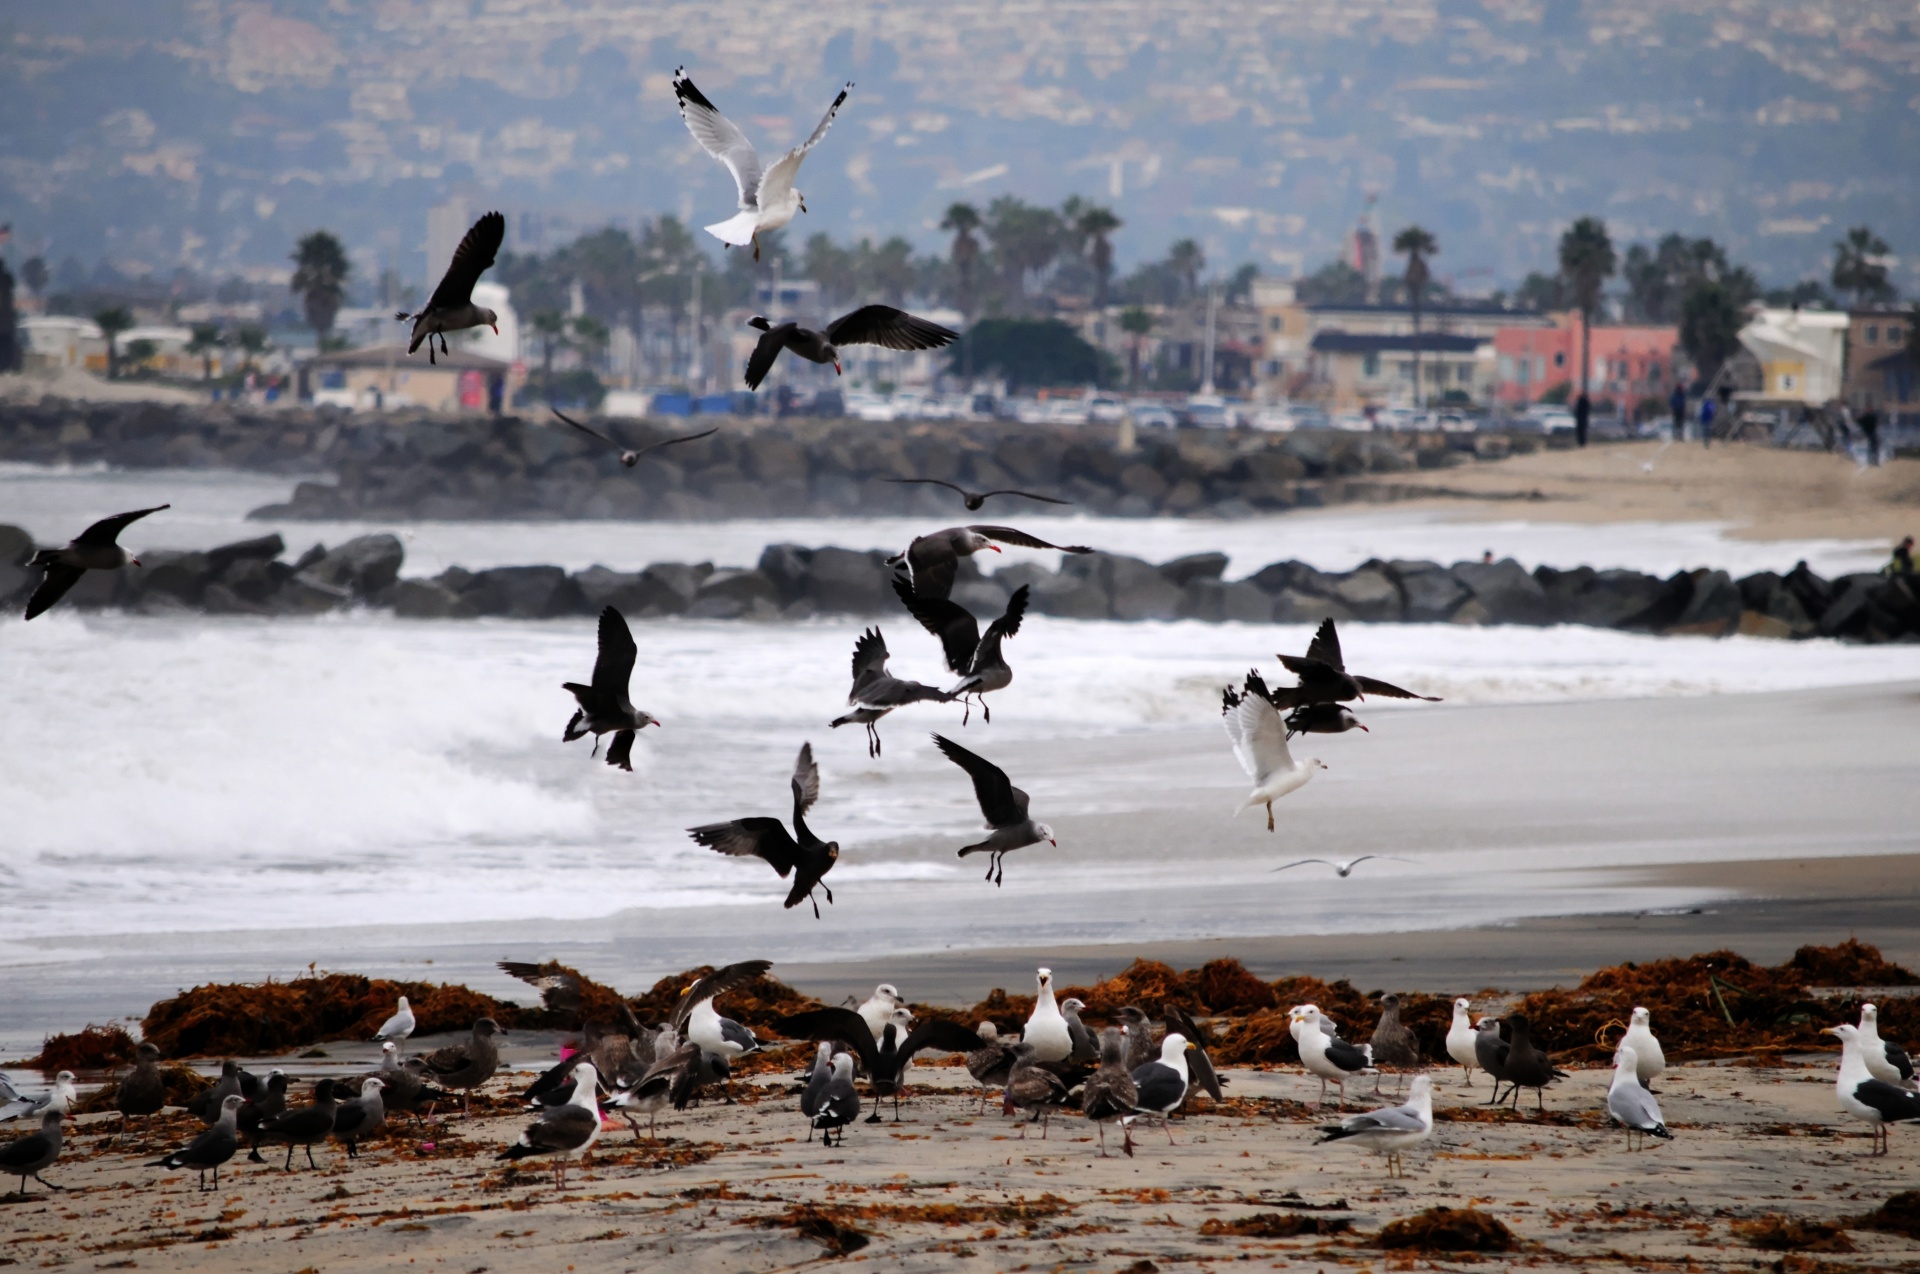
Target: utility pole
point(696, 372)
point(1213, 301)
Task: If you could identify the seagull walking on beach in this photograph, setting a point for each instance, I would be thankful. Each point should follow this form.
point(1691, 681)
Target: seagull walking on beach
point(839, 1103)
point(768, 198)
point(1342, 870)
point(1110, 1095)
point(1491, 1051)
point(932, 561)
point(991, 1061)
point(887, 1056)
point(631, 458)
point(95, 549)
point(1885, 1061)
point(1047, 1028)
point(1527, 1066)
point(1328, 1056)
point(1003, 805)
point(211, 1148)
point(1032, 1086)
point(1650, 1059)
point(976, 659)
point(1629, 1102)
point(700, 1023)
point(876, 692)
point(880, 325)
point(399, 1026)
point(1391, 1131)
point(451, 307)
point(1160, 1086)
point(29, 1156)
point(1393, 1044)
point(1461, 1039)
point(468, 1064)
point(1260, 743)
point(303, 1126)
point(143, 1090)
point(60, 1096)
point(803, 854)
point(354, 1121)
point(974, 499)
point(566, 1132)
point(604, 705)
point(1324, 677)
point(1864, 1097)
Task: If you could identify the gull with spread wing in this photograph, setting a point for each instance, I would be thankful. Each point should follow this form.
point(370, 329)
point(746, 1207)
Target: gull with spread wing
point(805, 855)
point(604, 705)
point(880, 325)
point(974, 499)
point(1003, 804)
point(630, 458)
point(977, 659)
point(876, 692)
point(94, 549)
point(1343, 870)
point(451, 307)
point(1324, 677)
point(1260, 742)
point(933, 560)
point(768, 199)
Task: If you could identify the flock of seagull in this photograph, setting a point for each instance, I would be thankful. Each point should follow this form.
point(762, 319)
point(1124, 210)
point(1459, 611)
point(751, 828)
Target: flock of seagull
point(1055, 1064)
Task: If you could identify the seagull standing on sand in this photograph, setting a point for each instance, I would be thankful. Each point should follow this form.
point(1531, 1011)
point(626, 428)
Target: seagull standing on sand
point(1393, 1044)
point(94, 549)
point(699, 1022)
point(1390, 1131)
point(399, 1026)
point(1260, 743)
point(1003, 805)
point(1629, 1102)
point(1324, 677)
point(1491, 1052)
point(143, 1090)
point(631, 458)
point(768, 199)
point(805, 855)
point(29, 1156)
point(974, 499)
point(991, 1062)
point(1330, 1057)
point(877, 1009)
point(303, 1126)
point(1863, 1096)
point(565, 1132)
point(211, 1148)
point(1646, 1049)
point(977, 660)
point(815, 1093)
point(1110, 1095)
point(839, 1104)
point(1031, 1086)
point(1461, 1039)
point(876, 692)
point(880, 325)
point(604, 705)
point(60, 1097)
point(451, 307)
point(887, 1057)
point(1887, 1062)
point(365, 1115)
point(268, 1104)
point(933, 560)
point(1047, 1028)
point(1085, 1047)
point(1160, 1086)
point(466, 1065)
point(1527, 1065)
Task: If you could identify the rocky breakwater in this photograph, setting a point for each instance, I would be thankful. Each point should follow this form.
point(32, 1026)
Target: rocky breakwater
point(791, 582)
point(409, 467)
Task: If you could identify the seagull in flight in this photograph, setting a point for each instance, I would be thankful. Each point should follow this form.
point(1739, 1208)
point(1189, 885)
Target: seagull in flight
point(768, 199)
point(974, 499)
point(451, 307)
point(1324, 677)
point(880, 325)
point(1344, 870)
point(94, 549)
point(805, 855)
point(1260, 744)
point(630, 458)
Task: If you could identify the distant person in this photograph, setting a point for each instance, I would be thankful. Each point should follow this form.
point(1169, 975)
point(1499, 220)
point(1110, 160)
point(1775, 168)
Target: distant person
point(1678, 404)
point(1901, 562)
point(1869, 422)
point(1486, 558)
point(1706, 421)
point(1582, 417)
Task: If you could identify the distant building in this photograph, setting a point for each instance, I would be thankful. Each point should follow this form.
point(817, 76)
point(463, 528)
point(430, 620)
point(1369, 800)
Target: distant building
point(1880, 371)
point(383, 377)
point(447, 224)
point(1627, 363)
point(1350, 371)
point(55, 341)
point(1802, 354)
point(1285, 333)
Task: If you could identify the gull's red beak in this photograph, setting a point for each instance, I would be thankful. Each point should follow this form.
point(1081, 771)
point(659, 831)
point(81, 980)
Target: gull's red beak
point(836, 367)
point(994, 547)
point(134, 560)
point(495, 327)
point(1363, 727)
point(1051, 841)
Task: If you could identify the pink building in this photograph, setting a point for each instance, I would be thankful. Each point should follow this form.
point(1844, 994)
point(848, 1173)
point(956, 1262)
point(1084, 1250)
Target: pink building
point(1628, 363)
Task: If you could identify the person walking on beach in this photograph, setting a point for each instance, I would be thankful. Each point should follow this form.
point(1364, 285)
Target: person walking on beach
point(1678, 403)
point(1869, 422)
point(1901, 563)
point(1582, 415)
point(1706, 420)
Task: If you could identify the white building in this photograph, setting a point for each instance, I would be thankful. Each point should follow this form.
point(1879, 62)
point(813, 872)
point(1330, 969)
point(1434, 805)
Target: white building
point(1802, 354)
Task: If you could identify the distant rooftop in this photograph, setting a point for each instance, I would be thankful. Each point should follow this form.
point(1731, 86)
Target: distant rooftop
point(381, 355)
point(1367, 343)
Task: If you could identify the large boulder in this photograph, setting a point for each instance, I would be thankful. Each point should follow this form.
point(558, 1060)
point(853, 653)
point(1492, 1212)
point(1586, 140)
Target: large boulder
point(1607, 599)
point(1714, 608)
point(1135, 589)
point(181, 576)
point(787, 566)
point(428, 599)
point(845, 582)
point(1291, 606)
point(1369, 594)
point(1182, 571)
point(1295, 577)
point(1070, 595)
point(1895, 608)
point(1507, 593)
point(363, 566)
point(1217, 601)
point(16, 546)
point(525, 592)
point(730, 594)
point(260, 548)
point(1432, 593)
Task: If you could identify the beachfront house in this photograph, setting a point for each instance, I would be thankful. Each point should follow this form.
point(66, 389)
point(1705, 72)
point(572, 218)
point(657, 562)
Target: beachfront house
point(383, 377)
point(1801, 353)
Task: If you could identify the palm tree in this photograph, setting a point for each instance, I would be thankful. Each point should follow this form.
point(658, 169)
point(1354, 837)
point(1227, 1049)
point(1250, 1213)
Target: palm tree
point(1026, 240)
point(551, 325)
point(112, 322)
point(962, 220)
point(1136, 322)
point(1094, 225)
point(206, 339)
point(888, 269)
point(252, 339)
point(1186, 261)
point(1859, 266)
point(1416, 244)
point(1587, 261)
point(34, 274)
point(320, 277)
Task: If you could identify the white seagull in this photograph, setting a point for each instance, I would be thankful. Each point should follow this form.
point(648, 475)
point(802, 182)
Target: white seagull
point(878, 1008)
point(1460, 1038)
point(1329, 1056)
point(399, 1026)
point(1646, 1048)
point(1863, 1096)
point(1888, 1062)
point(1629, 1102)
point(1260, 742)
point(768, 199)
point(1392, 1130)
point(699, 1022)
point(1047, 1028)
point(1342, 870)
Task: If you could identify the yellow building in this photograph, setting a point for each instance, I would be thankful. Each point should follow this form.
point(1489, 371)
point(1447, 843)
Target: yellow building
point(384, 377)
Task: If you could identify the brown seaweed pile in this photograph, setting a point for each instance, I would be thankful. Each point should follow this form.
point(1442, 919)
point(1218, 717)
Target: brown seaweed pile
point(183, 1085)
point(1276, 1225)
point(1900, 1214)
point(96, 1048)
point(1851, 963)
point(255, 1019)
point(1448, 1230)
point(1776, 1233)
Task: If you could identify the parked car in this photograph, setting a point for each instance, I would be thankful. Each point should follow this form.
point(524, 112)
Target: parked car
point(1151, 415)
point(1354, 422)
point(1105, 409)
point(1276, 419)
point(1551, 419)
point(865, 406)
point(1066, 411)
